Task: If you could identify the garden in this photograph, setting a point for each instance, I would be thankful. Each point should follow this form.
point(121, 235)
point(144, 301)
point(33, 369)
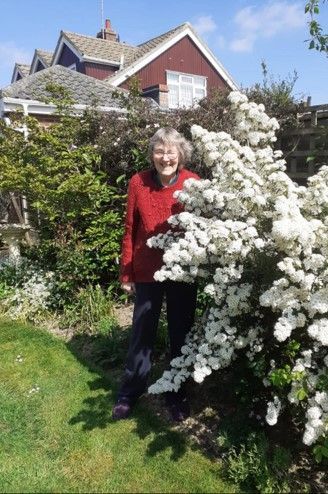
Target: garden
point(256, 359)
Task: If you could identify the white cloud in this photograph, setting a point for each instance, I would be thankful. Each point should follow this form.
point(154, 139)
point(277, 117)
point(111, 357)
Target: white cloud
point(220, 42)
point(10, 53)
point(205, 25)
point(269, 20)
point(244, 44)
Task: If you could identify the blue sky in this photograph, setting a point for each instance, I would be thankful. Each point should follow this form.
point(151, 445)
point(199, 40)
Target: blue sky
point(241, 33)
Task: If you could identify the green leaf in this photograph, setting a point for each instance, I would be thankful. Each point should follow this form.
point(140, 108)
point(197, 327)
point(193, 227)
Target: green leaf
point(320, 452)
point(301, 394)
point(120, 178)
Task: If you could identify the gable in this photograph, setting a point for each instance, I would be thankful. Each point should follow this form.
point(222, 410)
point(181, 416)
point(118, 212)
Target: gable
point(68, 58)
point(20, 71)
point(41, 60)
point(39, 66)
point(178, 50)
point(184, 57)
point(94, 50)
point(152, 53)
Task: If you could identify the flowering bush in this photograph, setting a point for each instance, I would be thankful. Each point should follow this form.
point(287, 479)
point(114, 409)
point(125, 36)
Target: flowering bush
point(259, 243)
point(29, 294)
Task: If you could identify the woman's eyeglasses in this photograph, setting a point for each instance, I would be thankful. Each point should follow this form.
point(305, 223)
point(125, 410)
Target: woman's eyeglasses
point(160, 153)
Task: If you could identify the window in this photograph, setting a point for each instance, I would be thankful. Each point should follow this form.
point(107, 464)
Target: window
point(185, 89)
point(72, 67)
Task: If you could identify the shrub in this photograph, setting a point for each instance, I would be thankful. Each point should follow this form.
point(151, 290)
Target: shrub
point(77, 213)
point(259, 243)
point(90, 312)
point(26, 292)
point(276, 94)
point(252, 466)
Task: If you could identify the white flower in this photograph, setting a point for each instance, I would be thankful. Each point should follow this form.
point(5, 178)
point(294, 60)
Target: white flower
point(314, 413)
point(321, 398)
point(319, 331)
point(283, 328)
point(309, 435)
point(273, 411)
point(35, 389)
point(259, 244)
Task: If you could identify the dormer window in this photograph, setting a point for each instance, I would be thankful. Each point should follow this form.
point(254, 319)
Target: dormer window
point(185, 89)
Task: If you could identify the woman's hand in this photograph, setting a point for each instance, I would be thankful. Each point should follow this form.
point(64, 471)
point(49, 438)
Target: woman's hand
point(128, 287)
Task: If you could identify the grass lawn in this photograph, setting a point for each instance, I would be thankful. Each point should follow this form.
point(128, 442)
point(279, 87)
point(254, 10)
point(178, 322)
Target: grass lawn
point(56, 432)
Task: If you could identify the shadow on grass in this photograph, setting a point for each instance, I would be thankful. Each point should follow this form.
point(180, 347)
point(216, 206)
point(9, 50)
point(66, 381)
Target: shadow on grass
point(98, 355)
point(229, 427)
point(97, 410)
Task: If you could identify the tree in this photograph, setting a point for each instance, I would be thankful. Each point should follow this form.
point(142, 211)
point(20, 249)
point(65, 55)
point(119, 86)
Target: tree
point(318, 40)
point(77, 213)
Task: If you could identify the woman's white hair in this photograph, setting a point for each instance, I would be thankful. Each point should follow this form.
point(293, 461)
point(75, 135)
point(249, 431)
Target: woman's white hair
point(167, 136)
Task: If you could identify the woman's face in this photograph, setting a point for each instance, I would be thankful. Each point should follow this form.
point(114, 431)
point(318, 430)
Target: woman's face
point(166, 160)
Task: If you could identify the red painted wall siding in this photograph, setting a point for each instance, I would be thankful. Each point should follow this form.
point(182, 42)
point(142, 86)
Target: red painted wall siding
point(98, 70)
point(185, 57)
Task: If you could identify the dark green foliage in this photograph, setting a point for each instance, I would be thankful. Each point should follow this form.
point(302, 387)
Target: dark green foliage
point(78, 215)
point(320, 451)
point(277, 96)
point(318, 156)
point(258, 469)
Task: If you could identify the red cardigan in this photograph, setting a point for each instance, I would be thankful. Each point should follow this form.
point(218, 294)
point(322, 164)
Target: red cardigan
point(148, 208)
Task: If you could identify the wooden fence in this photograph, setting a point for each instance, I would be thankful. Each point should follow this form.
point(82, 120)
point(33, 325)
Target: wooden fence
point(311, 139)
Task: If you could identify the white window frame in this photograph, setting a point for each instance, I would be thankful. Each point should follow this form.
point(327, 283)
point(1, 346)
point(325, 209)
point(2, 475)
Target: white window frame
point(193, 85)
point(72, 67)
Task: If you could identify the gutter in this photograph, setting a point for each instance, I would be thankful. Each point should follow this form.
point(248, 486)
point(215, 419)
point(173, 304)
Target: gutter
point(35, 107)
point(86, 58)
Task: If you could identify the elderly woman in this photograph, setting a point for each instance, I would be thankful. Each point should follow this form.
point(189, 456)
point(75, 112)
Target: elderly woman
point(150, 203)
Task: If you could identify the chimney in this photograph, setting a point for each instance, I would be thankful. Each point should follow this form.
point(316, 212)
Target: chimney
point(107, 33)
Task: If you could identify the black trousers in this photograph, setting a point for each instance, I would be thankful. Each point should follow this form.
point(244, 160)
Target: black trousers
point(181, 306)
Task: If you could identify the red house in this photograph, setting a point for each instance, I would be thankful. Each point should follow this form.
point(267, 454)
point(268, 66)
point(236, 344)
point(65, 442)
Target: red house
point(176, 68)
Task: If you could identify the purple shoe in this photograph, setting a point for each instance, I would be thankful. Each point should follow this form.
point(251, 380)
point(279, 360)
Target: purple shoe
point(122, 410)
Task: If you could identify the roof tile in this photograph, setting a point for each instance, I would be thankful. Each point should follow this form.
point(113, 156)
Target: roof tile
point(82, 88)
point(148, 46)
point(113, 50)
point(46, 56)
point(23, 68)
point(100, 48)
